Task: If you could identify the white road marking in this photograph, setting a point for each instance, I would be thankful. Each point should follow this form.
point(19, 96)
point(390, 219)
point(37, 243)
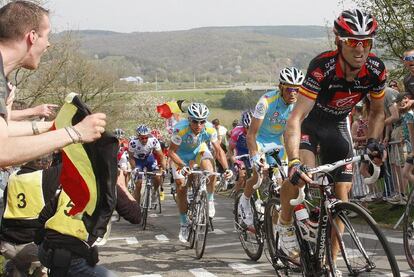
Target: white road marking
point(218, 232)
point(201, 272)
point(162, 238)
point(147, 275)
point(153, 215)
point(244, 268)
point(222, 245)
point(374, 237)
point(402, 274)
point(131, 240)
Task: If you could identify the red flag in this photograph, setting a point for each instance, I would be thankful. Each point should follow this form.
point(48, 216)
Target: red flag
point(167, 109)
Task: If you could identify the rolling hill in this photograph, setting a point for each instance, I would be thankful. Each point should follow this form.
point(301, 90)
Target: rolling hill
point(211, 54)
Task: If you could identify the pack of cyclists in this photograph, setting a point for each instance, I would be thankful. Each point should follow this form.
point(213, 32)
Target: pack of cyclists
point(306, 116)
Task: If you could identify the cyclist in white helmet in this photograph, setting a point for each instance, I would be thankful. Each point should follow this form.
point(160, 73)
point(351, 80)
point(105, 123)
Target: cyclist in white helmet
point(266, 130)
point(189, 145)
point(141, 152)
point(335, 82)
point(238, 146)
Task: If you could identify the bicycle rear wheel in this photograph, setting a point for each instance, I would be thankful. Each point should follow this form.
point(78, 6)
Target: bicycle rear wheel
point(250, 239)
point(363, 248)
point(202, 223)
point(408, 231)
point(145, 205)
point(272, 211)
point(158, 199)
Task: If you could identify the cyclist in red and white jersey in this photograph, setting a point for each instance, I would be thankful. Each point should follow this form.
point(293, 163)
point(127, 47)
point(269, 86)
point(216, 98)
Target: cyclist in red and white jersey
point(335, 82)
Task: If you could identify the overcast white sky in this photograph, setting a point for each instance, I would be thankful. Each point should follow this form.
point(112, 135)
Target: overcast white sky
point(164, 15)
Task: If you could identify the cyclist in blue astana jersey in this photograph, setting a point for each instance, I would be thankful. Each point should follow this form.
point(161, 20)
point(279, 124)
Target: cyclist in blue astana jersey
point(189, 146)
point(266, 129)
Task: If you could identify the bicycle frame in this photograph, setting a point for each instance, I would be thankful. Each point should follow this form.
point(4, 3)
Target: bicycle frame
point(313, 255)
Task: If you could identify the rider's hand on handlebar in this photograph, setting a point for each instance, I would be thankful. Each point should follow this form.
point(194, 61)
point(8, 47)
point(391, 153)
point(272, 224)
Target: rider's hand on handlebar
point(376, 151)
point(298, 173)
point(186, 170)
point(228, 174)
point(257, 162)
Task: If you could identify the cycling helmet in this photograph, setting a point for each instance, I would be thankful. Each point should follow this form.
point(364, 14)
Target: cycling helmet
point(156, 134)
point(198, 111)
point(119, 133)
point(355, 23)
point(246, 118)
point(291, 76)
point(142, 130)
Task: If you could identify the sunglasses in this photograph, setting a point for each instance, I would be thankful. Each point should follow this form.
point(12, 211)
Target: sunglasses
point(143, 137)
point(408, 58)
point(198, 121)
point(354, 42)
point(292, 89)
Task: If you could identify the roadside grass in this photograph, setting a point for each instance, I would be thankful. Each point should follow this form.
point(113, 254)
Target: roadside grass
point(386, 214)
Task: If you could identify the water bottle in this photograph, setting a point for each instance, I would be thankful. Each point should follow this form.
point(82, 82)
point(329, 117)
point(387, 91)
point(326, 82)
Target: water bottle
point(189, 196)
point(307, 228)
point(259, 208)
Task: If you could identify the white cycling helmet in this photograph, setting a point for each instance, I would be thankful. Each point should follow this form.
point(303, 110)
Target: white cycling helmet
point(143, 130)
point(119, 133)
point(355, 23)
point(198, 111)
point(246, 118)
point(291, 76)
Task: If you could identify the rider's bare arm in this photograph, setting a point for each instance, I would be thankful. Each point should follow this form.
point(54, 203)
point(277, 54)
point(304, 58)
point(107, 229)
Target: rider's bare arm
point(172, 153)
point(220, 155)
point(252, 134)
point(131, 159)
point(376, 118)
point(161, 158)
point(292, 133)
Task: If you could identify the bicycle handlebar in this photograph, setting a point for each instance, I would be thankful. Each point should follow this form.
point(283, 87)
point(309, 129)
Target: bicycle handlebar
point(204, 172)
point(242, 156)
point(330, 167)
point(148, 173)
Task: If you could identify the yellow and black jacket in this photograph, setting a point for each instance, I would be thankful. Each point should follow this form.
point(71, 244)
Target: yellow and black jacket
point(24, 197)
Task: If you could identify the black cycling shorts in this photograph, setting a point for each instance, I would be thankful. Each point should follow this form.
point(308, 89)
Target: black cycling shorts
point(334, 141)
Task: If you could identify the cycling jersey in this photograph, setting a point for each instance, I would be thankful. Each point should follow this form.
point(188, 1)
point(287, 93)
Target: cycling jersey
point(274, 112)
point(239, 141)
point(189, 143)
point(334, 96)
point(327, 125)
point(141, 151)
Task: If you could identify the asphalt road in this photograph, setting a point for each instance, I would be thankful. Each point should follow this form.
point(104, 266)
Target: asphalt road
point(130, 251)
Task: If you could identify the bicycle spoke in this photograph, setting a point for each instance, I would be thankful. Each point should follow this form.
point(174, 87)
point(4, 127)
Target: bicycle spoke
point(362, 247)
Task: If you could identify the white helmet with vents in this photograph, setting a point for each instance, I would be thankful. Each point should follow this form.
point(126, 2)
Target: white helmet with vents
point(291, 76)
point(198, 111)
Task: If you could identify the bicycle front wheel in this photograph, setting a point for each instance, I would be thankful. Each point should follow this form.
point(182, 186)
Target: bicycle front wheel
point(145, 205)
point(250, 238)
point(408, 231)
point(202, 223)
point(362, 246)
